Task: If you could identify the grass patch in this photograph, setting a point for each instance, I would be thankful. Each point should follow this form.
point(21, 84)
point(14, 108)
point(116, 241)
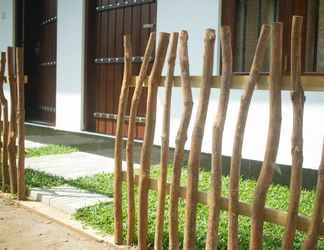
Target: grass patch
point(101, 216)
point(41, 179)
point(50, 150)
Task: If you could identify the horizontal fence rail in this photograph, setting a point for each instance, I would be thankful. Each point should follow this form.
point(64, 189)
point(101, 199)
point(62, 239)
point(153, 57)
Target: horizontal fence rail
point(271, 215)
point(309, 82)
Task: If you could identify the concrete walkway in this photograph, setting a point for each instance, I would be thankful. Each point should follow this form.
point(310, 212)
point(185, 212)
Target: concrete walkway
point(67, 199)
point(95, 156)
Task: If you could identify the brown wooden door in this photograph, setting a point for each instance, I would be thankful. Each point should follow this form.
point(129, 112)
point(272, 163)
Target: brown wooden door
point(107, 22)
point(40, 47)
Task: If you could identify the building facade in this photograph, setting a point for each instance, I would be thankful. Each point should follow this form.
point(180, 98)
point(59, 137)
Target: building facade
point(74, 62)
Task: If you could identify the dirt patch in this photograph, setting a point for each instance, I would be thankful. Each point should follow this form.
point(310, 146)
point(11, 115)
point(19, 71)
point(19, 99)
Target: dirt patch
point(22, 229)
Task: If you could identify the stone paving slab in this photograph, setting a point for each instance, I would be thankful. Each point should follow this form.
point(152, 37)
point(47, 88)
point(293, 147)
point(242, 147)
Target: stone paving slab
point(35, 141)
point(66, 198)
point(73, 165)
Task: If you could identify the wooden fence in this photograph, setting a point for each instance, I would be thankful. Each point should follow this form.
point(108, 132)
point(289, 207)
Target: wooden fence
point(275, 83)
point(12, 133)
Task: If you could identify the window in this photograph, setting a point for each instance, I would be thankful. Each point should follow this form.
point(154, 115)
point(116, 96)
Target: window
point(247, 16)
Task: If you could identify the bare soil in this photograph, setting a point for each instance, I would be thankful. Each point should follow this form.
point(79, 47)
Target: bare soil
point(23, 229)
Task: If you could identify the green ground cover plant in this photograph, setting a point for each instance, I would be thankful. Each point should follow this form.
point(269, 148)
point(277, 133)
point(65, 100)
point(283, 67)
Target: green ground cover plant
point(50, 150)
point(101, 216)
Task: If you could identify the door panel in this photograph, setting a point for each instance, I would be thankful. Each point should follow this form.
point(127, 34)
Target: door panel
point(108, 21)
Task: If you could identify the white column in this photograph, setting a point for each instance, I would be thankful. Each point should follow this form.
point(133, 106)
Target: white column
point(70, 64)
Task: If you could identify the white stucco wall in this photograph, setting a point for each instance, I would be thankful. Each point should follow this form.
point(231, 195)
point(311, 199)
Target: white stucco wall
point(7, 31)
point(70, 64)
point(198, 16)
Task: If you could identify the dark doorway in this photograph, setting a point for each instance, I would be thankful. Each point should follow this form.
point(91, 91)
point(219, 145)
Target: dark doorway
point(36, 30)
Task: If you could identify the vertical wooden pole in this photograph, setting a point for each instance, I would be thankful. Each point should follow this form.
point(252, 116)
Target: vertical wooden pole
point(12, 148)
point(272, 145)
point(239, 136)
point(298, 100)
point(131, 136)
point(197, 137)
point(165, 142)
point(118, 230)
point(318, 210)
point(4, 108)
point(180, 140)
point(218, 128)
point(154, 80)
point(21, 185)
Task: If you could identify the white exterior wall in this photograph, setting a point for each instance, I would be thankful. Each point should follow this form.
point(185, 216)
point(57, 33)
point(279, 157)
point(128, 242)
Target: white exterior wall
point(198, 16)
point(7, 31)
point(70, 64)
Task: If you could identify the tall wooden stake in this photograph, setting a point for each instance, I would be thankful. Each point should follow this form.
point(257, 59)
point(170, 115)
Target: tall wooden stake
point(131, 136)
point(21, 185)
point(218, 128)
point(154, 80)
point(239, 136)
point(12, 148)
point(298, 100)
point(180, 141)
point(318, 210)
point(268, 165)
point(118, 231)
point(4, 108)
point(165, 142)
point(197, 137)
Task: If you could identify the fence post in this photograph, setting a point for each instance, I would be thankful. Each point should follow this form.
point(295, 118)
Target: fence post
point(165, 142)
point(197, 136)
point(239, 136)
point(267, 169)
point(118, 213)
point(317, 218)
point(217, 138)
point(4, 111)
point(153, 83)
point(180, 140)
point(131, 136)
point(21, 185)
point(298, 99)
point(12, 148)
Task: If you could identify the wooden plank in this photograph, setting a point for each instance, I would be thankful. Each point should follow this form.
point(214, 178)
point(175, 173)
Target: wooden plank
point(298, 100)
point(239, 137)
point(267, 169)
point(217, 139)
point(118, 215)
point(165, 141)
point(181, 139)
point(309, 82)
point(21, 184)
point(196, 141)
point(271, 215)
point(148, 140)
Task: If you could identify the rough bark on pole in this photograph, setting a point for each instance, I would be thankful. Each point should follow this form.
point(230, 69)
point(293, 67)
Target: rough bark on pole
point(12, 148)
point(21, 185)
point(131, 136)
point(267, 169)
point(180, 141)
point(318, 210)
point(4, 110)
point(239, 136)
point(298, 100)
point(118, 230)
point(153, 83)
point(165, 142)
point(197, 137)
point(217, 137)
